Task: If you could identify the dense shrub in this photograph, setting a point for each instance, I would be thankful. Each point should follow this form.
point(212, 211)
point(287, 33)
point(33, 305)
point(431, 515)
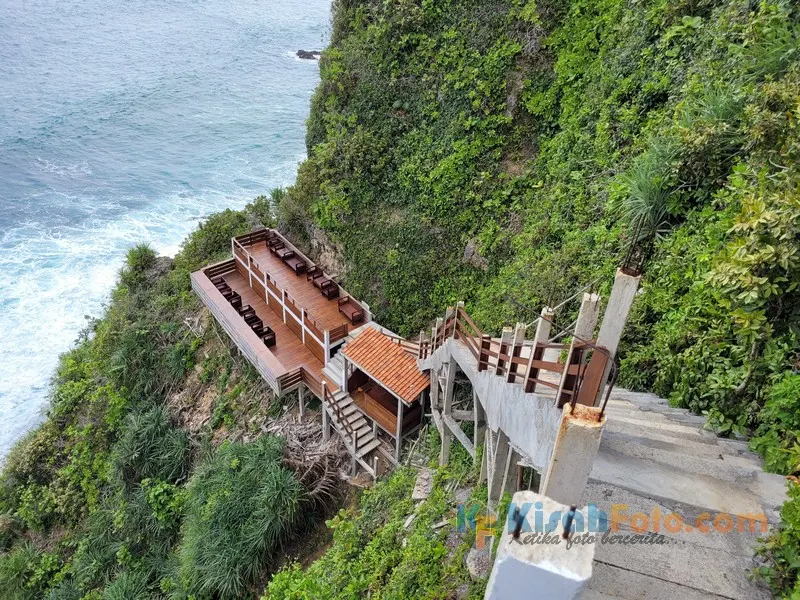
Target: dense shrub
point(241, 505)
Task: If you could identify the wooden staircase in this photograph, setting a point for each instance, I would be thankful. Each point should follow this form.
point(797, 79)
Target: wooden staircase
point(353, 427)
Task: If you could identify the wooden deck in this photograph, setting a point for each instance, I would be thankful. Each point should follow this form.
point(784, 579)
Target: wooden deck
point(323, 311)
point(307, 325)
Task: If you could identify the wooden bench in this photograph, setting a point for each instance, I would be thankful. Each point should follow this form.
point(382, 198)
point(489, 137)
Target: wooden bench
point(351, 310)
point(268, 337)
point(278, 245)
point(329, 289)
point(313, 273)
point(235, 300)
point(297, 264)
point(284, 253)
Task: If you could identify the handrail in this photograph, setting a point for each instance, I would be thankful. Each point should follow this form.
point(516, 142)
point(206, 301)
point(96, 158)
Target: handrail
point(457, 322)
point(291, 306)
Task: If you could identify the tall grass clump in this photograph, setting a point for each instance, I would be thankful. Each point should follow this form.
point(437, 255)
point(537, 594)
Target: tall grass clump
point(241, 505)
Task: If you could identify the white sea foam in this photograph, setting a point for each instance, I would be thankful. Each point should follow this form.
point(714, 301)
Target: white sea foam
point(52, 279)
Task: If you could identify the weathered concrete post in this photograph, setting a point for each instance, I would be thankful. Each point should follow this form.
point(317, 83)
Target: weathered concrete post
point(505, 341)
point(616, 316)
point(584, 328)
point(301, 400)
point(325, 426)
point(498, 466)
point(541, 570)
point(479, 417)
point(447, 409)
point(574, 451)
point(542, 335)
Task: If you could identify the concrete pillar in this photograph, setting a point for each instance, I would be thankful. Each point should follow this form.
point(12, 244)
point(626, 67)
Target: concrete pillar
point(498, 466)
point(516, 346)
point(587, 316)
point(301, 400)
point(447, 409)
point(584, 329)
point(541, 570)
point(510, 474)
point(574, 451)
point(616, 316)
point(505, 341)
point(542, 335)
point(479, 417)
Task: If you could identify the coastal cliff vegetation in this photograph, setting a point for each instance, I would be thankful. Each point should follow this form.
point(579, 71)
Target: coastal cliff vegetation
point(503, 153)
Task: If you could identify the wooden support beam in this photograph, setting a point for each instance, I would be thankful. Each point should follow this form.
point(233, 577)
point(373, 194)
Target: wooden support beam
point(301, 400)
point(398, 434)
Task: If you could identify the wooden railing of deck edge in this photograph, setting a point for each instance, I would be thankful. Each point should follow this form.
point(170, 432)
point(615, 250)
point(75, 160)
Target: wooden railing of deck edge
point(286, 305)
point(263, 234)
point(230, 327)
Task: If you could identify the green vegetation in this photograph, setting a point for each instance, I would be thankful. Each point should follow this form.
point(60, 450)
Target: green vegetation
point(114, 496)
point(503, 153)
point(374, 553)
point(506, 153)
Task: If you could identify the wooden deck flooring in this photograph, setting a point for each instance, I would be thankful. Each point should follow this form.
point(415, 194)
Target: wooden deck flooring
point(288, 348)
point(323, 311)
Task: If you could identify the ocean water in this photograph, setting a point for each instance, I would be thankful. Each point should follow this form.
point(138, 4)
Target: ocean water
point(128, 122)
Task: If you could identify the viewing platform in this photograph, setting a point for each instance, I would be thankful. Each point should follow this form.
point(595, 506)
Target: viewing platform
point(283, 312)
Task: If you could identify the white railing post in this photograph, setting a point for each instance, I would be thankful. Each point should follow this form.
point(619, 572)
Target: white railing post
point(584, 329)
point(327, 346)
point(514, 351)
point(303, 324)
point(283, 304)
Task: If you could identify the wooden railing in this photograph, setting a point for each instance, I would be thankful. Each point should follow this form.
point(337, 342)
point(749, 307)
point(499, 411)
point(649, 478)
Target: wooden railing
point(578, 379)
point(330, 401)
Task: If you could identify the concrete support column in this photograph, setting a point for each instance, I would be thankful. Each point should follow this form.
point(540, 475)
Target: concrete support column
point(301, 400)
point(479, 417)
point(584, 329)
point(574, 451)
point(616, 316)
point(540, 337)
point(528, 570)
point(498, 466)
point(447, 410)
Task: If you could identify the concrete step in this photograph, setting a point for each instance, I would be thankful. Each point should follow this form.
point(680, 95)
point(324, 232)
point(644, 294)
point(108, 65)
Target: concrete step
point(364, 440)
point(631, 507)
point(609, 581)
point(688, 565)
point(668, 484)
point(363, 430)
point(703, 459)
point(637, 425)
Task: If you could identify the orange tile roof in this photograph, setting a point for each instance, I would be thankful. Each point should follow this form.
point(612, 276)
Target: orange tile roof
point(387, 363)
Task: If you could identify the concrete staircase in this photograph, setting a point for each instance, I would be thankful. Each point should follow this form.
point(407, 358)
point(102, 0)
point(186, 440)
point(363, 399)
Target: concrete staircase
point(653, 455)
